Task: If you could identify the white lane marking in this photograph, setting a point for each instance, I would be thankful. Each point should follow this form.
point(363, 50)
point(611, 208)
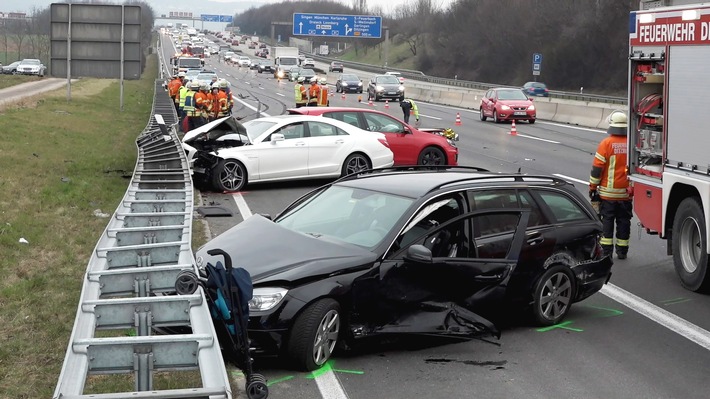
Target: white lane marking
point(588, 129)
point(251, 107)
point(328, 383)
point(242, 205)
point(279, 94)
point(537, 138)
point(432, 117)
point(661, 316)
point(330, 387)
point(571, 179)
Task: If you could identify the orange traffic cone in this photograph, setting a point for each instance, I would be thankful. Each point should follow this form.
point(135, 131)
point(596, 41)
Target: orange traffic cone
point(458, 119)
point(342, 96)
point(369, 102)
point(359, 99)
point(387, 104)
point(513, 130)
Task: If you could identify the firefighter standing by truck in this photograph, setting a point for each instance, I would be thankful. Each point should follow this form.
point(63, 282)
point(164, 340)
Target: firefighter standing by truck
point(313, 92)
point(609, 185)
point(174, 89)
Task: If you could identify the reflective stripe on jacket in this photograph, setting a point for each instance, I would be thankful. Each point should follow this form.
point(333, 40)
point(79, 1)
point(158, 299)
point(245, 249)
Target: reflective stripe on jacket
point(183, 94)
point(323, 96)
point(609, 172)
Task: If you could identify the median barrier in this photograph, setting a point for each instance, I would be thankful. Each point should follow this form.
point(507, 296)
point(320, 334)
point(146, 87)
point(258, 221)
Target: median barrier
point(578, 115)
point(545, 110)
point(451, 98)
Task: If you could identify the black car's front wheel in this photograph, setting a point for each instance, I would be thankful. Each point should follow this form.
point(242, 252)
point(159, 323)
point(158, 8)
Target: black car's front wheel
point(553, 295)
point(229, 175)
point(314, 335)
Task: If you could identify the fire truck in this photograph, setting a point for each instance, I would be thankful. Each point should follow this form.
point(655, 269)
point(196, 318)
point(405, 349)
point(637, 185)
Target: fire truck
point(669, 138)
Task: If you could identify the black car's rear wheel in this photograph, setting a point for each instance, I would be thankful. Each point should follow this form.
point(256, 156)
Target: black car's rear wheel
point(229, 175)
point(314, 335)
point(432, 156)
point(553, 295)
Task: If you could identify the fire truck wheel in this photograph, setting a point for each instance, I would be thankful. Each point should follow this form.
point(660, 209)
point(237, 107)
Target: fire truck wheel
point(689, 245)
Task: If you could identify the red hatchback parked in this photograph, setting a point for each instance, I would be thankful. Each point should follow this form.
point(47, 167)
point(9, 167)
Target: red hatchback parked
point(409, 145)
point(505, 104)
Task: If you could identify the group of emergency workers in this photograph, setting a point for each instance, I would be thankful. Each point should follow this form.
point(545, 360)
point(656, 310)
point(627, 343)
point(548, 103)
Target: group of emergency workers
point(197, 104)
point(316, 95)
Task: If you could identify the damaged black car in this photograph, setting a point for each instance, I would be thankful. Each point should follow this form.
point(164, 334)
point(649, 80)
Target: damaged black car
point(413, 251)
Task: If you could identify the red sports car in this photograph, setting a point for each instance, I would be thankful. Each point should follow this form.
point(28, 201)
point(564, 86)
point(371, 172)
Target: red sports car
point(409, 145)
point(505, 104)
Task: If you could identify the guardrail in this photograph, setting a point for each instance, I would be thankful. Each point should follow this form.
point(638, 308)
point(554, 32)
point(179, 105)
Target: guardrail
point(130, 280)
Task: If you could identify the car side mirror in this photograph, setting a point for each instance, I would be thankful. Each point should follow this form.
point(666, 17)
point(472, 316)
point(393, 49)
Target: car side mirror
point(530, 98)
point(418, 254)
point(277, 137)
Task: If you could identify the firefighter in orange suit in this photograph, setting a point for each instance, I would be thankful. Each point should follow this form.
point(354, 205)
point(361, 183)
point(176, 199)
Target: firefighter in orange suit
point(313, 92)
point(174, 89)
point(202, 104)
point(609, 184)
point(222, 100)
point(214, 101)
point(323, 95)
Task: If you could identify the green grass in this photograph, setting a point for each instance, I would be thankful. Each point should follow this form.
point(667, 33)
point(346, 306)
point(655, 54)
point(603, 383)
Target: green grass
point(60, 161)
point(12, 80)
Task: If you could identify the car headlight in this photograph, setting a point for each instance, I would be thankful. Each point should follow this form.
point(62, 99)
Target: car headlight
point(344, 84)
point(505, 107)
point(359, 84)
point(451, 142)
point(266, 298)
point(401, 88)
point(280, 74)
point(531, 108)
point(379, 88)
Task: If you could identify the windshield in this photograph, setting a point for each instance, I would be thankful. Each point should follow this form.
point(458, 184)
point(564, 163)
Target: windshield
point(350, 78)
point(308, 72)
point(353, 215)
point(288, 61)
point(205, 76)
point(256, 128)
point(389, 79)
point(511, 95)
point(190, 62)
point(30, 62)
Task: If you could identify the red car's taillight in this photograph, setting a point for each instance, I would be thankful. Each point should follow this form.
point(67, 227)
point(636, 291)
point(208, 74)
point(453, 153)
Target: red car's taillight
point(384, 142)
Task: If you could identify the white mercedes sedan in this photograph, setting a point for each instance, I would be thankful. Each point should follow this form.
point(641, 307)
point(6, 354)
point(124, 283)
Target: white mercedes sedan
point(226, 155)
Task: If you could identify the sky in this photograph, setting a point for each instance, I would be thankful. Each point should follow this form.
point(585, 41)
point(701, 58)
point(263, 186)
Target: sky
point(226, 7)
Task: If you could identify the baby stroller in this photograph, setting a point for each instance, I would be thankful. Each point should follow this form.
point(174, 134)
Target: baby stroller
point(228, 291)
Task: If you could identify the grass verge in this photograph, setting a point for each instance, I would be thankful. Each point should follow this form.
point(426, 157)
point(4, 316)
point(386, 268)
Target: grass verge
point(60, 161)
point(11, 80)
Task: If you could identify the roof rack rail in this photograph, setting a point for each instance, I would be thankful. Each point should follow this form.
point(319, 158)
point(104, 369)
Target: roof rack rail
point(413, 168)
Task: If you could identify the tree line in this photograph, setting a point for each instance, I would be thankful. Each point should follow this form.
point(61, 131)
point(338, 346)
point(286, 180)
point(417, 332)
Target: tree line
point(584, 43)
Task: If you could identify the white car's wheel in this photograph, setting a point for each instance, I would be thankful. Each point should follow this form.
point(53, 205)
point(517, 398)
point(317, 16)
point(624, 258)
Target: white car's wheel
point(355, 163)
point(229, 175)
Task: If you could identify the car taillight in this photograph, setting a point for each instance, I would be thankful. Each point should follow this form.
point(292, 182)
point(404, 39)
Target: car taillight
point(384, 142)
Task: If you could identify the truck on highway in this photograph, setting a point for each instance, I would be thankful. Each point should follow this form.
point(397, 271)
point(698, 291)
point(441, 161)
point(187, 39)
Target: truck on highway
point(668, 144)
point(284, 58)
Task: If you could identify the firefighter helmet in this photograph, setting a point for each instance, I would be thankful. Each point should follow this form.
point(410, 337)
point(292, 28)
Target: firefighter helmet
point(205, 87)
point(193, 86)
point(301, 79)
point(617, 123)
point(181, 75)
point(314, 80)
point(223, 84)
point(323, 81)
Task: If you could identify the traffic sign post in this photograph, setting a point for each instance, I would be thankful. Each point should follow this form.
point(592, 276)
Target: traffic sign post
point(366, 26)
point(537, 64)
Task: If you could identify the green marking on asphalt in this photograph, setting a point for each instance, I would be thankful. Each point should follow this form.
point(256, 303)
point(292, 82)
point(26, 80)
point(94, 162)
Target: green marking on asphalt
point(560, 325)
point(328, 366)
point(675, 301)
point(276, 381)
point(607, 312)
